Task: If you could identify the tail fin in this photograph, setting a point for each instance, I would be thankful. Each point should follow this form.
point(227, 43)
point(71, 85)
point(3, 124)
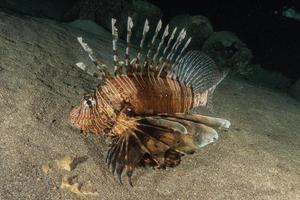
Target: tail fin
point(159, 141)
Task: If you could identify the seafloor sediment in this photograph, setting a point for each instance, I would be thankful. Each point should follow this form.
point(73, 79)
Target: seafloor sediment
point(257, 158)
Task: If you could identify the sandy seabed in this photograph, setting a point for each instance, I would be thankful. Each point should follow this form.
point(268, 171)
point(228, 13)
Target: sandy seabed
point(257, 158)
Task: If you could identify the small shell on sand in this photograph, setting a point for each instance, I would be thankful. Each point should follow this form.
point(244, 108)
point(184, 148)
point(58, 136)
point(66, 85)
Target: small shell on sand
point(75, 187)
point(45, 168)
point(65, 163)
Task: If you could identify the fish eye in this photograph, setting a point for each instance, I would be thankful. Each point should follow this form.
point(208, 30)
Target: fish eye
point(89, 102)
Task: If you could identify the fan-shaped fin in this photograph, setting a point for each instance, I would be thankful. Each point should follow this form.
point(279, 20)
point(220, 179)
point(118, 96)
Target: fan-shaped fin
point(198, 70)
point(209, 121)
point(131, 148)
point(172, 51)
point(200, 131)
point(158, 141)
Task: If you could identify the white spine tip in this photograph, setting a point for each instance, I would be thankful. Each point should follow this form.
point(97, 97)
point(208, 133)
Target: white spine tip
point(79, 39)
point(159, 25)
point(182, 31)
point(183, 35)
point(173, 33)
point(146, 27)
point(81, 65)
point(129, 23)
point(84, 45)
point(166, 32)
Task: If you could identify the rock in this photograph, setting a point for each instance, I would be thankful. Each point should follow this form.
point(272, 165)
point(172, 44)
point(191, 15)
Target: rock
point(65, 163)
point(102, 11)
point(45, 168)
point(291, 13)
point(198, 27)
point(54, 9)
point(228, 51)
point(88, 26)
point(268, 79)
point(99, 11)
point(140, 11)
point(294, 90)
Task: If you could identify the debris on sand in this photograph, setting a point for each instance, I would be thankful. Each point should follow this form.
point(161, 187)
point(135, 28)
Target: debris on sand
point(66, 184)
point(45, 168)
point(65, 163)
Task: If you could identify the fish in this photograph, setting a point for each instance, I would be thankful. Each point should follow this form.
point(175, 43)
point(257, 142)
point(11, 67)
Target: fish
point(144, 105)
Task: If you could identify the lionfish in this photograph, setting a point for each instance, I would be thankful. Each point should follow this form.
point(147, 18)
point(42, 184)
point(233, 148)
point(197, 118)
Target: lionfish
point(145, 111)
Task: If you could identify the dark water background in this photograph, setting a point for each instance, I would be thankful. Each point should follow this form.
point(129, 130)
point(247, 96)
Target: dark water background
point(274, 39)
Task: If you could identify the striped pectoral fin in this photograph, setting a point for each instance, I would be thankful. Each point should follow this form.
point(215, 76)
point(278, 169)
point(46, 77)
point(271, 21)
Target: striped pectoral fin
point(163, 137)
point(173, 133)
point(199, 136)
point(172, 158)
point(207, 120)
point(196, 134)
point(157, 141)
point(125, 154)
point(164, 123)
point(152, 142)
point(135, 148)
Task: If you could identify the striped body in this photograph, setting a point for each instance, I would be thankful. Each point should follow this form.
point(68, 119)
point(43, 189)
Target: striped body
point(144, 94)
point(152, 95)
